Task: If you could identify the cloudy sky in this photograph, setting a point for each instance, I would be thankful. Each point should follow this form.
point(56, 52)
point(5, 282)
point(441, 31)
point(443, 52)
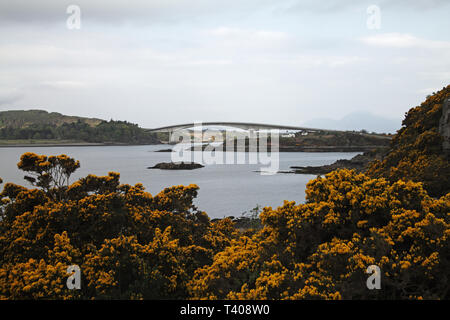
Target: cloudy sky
point(161, 62)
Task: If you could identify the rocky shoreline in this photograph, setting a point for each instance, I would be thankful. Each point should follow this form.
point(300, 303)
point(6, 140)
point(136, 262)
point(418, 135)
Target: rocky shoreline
point(359, 163)
point(284, 148)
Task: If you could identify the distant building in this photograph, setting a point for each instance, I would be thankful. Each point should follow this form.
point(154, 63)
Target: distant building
point(288, 135)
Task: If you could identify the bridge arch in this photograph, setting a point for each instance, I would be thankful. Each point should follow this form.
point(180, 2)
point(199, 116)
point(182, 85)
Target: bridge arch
point(240, 125)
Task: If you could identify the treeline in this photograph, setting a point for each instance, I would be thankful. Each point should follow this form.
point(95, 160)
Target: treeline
point(335, 138)
point(104, 132)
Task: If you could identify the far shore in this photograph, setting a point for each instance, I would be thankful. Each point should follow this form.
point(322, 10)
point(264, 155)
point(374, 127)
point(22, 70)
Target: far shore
point(9, 144)
point(68, 144)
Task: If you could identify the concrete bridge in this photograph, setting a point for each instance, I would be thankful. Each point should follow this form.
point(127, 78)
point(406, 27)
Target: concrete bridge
point(240, 125)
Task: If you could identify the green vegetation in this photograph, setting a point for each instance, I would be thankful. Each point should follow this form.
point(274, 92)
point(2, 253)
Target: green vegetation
point(36, 125)
point(416, 150)
point(130, 244)
point(20, 119)
point(336, 139)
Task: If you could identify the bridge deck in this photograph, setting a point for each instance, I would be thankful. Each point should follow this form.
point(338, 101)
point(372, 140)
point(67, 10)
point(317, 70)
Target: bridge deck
point(241, 125)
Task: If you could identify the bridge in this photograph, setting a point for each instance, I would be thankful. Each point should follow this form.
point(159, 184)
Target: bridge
point(240, 125)
point(250, 126)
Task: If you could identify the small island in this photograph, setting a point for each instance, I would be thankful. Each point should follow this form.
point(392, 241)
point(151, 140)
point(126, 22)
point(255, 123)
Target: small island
point(359, 163)
point(177, 166)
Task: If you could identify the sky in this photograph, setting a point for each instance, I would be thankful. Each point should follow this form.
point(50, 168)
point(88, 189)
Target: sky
point(163, 62)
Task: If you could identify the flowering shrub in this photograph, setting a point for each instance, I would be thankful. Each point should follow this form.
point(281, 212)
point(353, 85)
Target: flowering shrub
point(130, 244)
point(321, 249)
point(416, 150)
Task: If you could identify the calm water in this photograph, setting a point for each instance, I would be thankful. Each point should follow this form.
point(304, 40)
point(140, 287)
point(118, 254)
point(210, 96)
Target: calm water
point(224, 189)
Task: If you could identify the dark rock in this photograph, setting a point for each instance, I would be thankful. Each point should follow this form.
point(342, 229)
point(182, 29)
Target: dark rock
point(359, 163)
point(177, 166)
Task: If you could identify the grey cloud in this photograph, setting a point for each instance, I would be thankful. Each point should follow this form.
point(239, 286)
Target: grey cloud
point(9, 96)
point(114, 11)
point(232, 60)
point(415, 4)
point(333, 6)
point(173, 11)
point(145, 11)
point(358, 121)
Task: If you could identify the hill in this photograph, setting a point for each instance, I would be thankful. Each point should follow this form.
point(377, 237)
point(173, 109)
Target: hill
point(416, 152)
point(39, 126)
point(335, 141)
point(20, 119)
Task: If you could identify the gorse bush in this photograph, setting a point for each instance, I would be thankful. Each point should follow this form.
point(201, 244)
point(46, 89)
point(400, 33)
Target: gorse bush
point(130, 244)
point(321, 249)
point(416, 150)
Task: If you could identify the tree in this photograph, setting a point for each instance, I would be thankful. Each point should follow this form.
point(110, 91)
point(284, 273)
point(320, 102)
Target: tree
point(50, 173)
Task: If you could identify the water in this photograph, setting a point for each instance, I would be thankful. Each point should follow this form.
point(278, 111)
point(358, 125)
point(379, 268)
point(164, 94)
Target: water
point(225, 190)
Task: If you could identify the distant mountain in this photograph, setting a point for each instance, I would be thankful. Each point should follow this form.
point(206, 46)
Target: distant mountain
point(21, 119)
point(357, 121)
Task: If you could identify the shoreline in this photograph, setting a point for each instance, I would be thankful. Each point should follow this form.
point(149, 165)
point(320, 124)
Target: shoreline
point(283, 149)
point(365, 148)
point(81, 144)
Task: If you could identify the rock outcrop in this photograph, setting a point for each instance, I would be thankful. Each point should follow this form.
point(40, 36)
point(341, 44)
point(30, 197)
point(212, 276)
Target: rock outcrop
point(359, 163)
point(177, 166)
point(444, 127)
